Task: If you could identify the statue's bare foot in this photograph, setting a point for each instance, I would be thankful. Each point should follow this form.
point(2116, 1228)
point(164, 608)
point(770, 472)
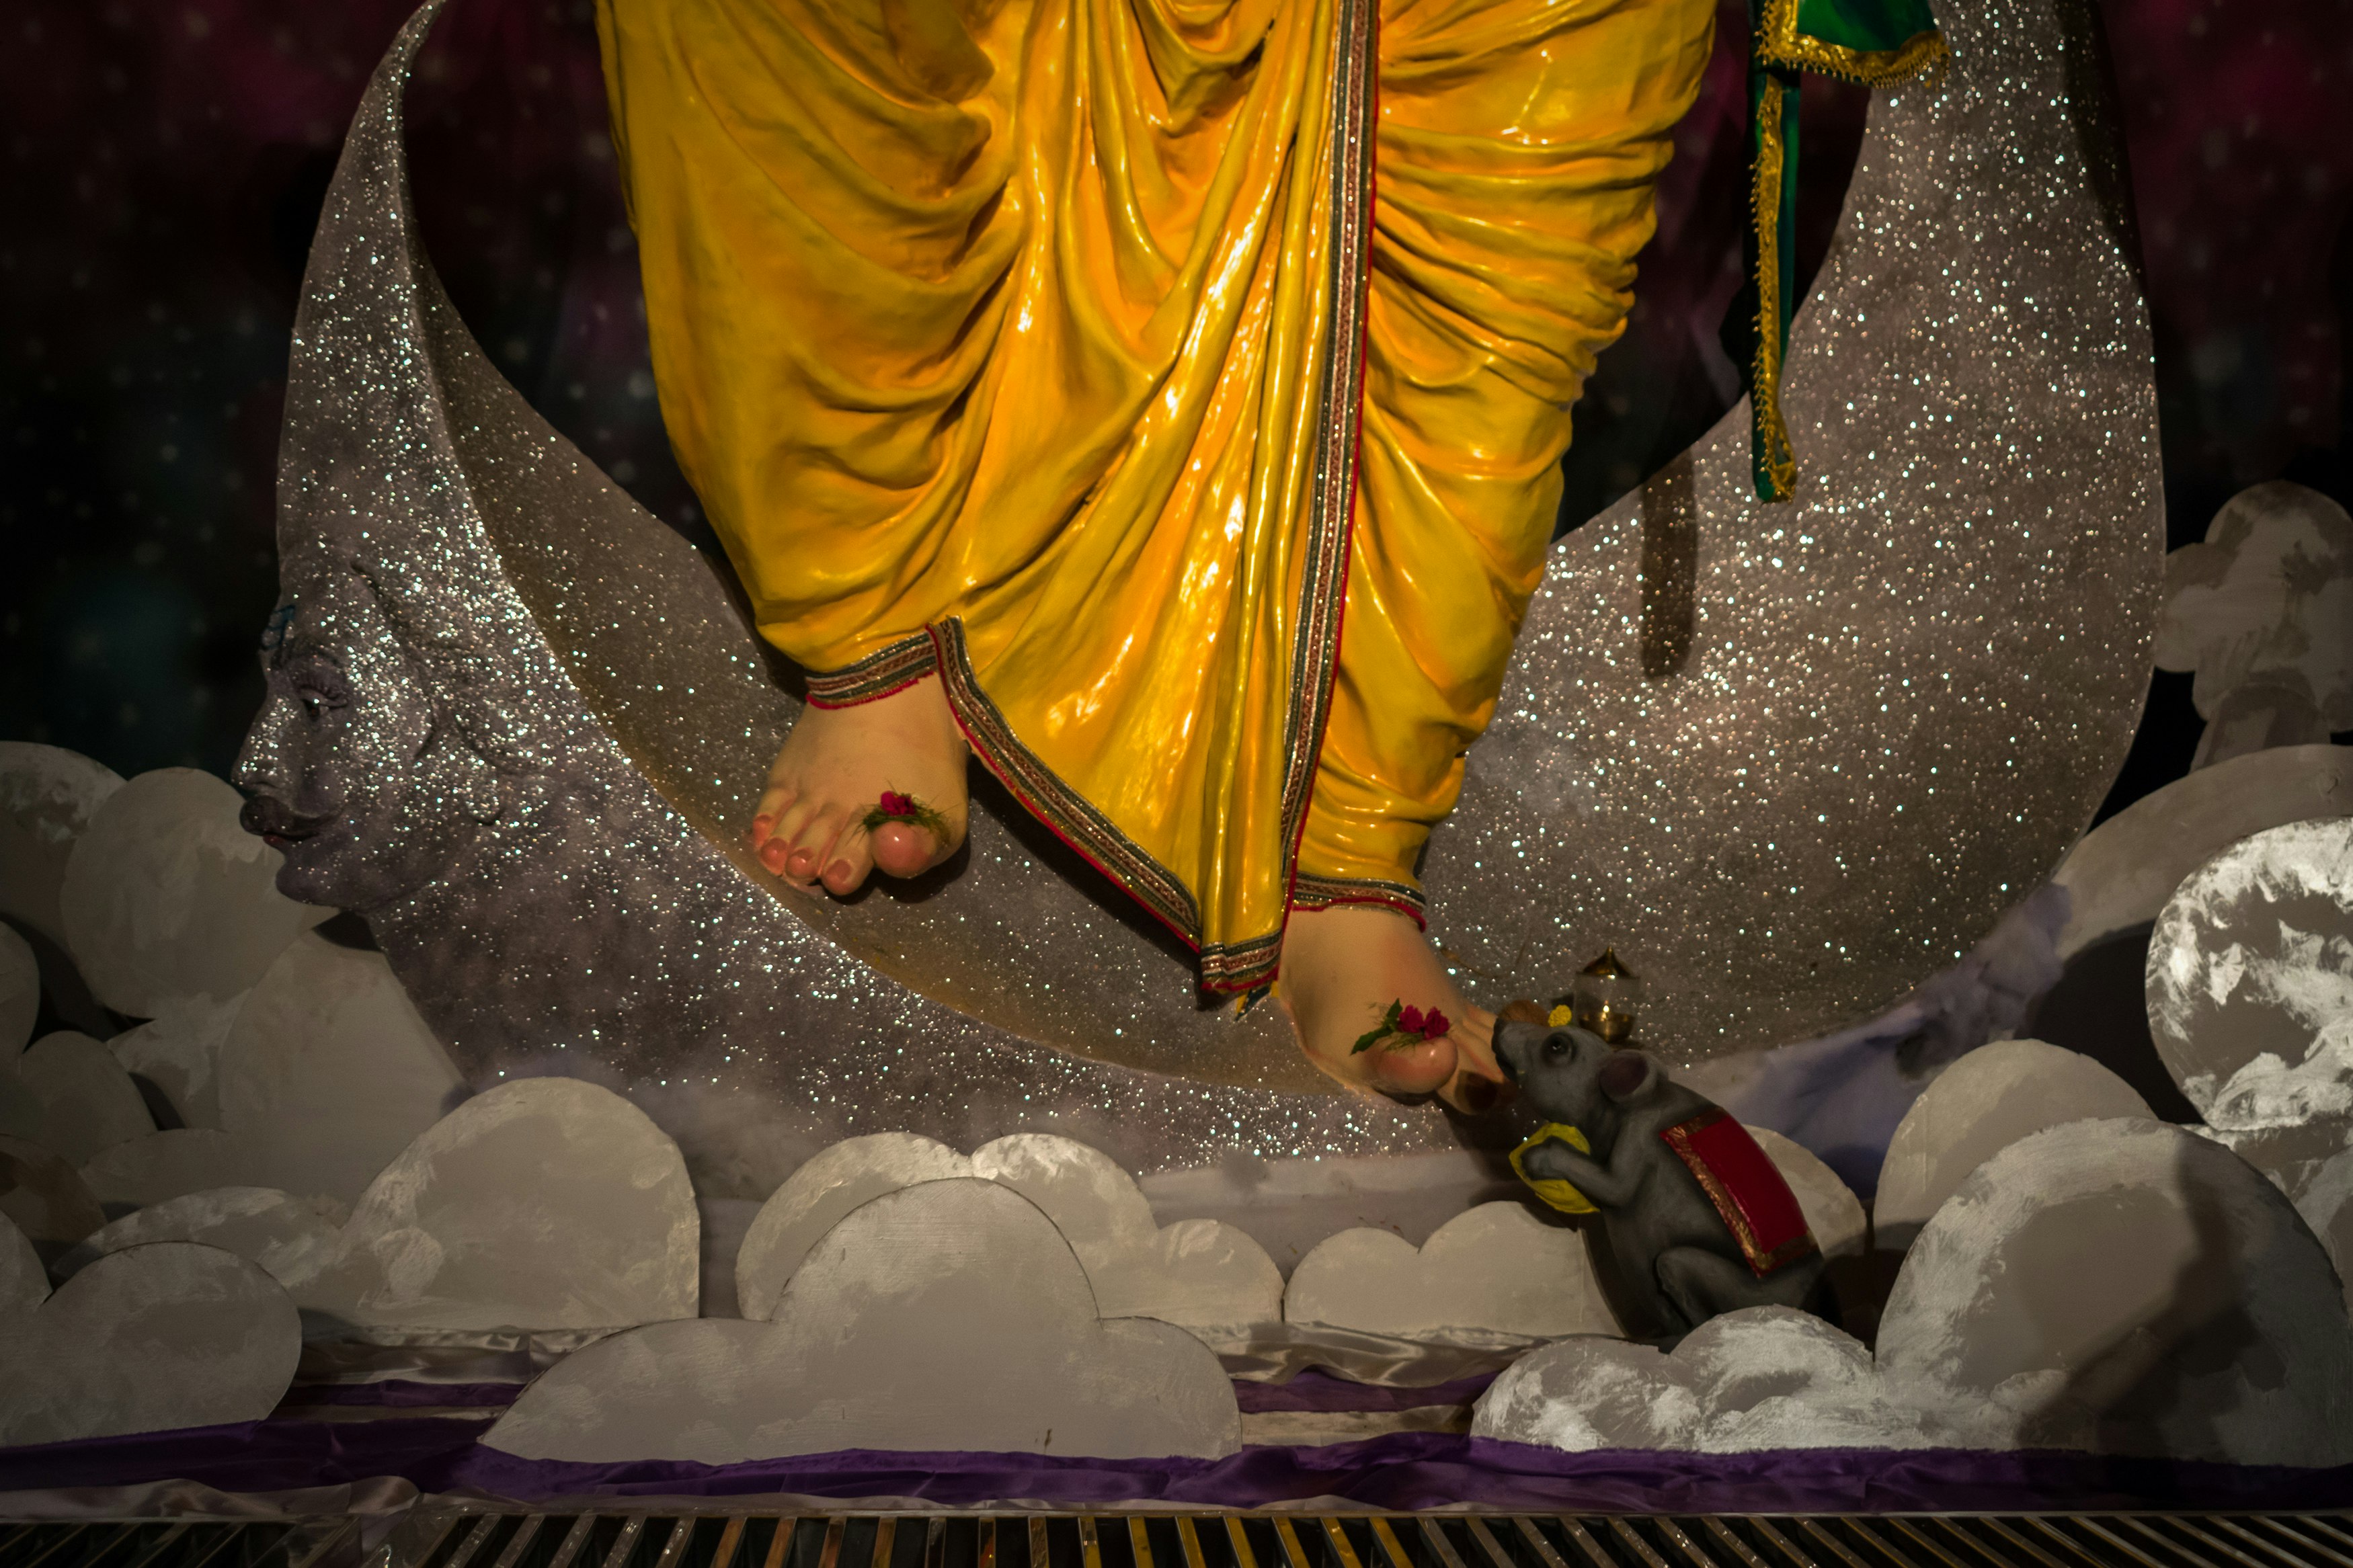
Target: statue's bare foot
point(1342, 969)
point(837, 766)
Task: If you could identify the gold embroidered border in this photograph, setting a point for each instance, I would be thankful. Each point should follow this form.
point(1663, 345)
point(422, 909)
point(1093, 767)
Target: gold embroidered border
point(1066, 813)
point(1234, 967)
point(896, 667)
point(1760, 1262)
point(1324, 583)
point(1778, 43)
point(1780, 463)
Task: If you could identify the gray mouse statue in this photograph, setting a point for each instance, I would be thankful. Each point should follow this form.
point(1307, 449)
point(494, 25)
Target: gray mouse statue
point(1695, 1215)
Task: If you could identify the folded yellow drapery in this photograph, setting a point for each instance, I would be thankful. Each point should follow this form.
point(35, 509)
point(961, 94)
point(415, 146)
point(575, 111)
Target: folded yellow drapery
point(1186, 380)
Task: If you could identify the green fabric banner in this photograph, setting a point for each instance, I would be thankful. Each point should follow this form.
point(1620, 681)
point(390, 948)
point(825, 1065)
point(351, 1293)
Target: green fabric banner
point(1877, 43)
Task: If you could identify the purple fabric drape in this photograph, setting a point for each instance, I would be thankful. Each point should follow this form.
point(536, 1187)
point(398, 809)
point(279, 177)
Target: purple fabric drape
point(1402, 1470)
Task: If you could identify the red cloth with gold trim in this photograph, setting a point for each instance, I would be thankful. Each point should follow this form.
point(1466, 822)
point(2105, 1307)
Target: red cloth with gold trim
point(1747, 1188)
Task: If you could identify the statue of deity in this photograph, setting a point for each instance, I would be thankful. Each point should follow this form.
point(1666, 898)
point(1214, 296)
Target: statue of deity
point(1161, 400)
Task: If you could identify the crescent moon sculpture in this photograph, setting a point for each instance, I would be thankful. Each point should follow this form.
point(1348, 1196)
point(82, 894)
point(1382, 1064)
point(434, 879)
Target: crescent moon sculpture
point(1788, 758)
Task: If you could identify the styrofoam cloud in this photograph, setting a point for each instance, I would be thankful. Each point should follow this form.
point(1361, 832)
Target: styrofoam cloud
point(951, 1314)
point(2251, 979)
point(85, 1101)
point(166, 899)
point(287, 1237)
point(20, 992)
point(24, 1283)
point(816, 1197)
point(1197, 1274)
point(543, 1203)
point(328, 1072)
point(2327, 1206)
point(47, 798)
point(1764, 1378)
point(1494, 1271)
point(179, 1052)
point(2119, 874)
point(2263, 611)
point(276, 1231)
point(165, 1165)
point(2119, 1286)
point(1980, 1105)
point(157, 1338)
point(2169, 1296)
point(1201, 1275)
point(43, 1198)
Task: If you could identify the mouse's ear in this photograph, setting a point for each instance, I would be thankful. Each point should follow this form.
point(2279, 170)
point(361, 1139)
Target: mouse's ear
point(1627, 1074)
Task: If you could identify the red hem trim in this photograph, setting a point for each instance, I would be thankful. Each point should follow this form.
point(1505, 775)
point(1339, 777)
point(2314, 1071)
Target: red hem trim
point(997, 772)
point(1312, 904)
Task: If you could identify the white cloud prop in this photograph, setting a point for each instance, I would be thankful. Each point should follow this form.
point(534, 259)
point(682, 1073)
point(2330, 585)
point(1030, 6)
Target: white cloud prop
point(2119, 874)
point(2251, 979)
point(165, 1165)
point(819, 1195)
point(946, 1315)
point(2327, 1206)
point(1198, 1274)
point(179, 1052)
point(87, 1102)
point(2167, 1290)
point(24, 1284)
point(543, 1203)
point(2263, 610)
point(1764, 1378)
point(43, 1196)
point(20, 992)
point(20, 1111)
point(166, 899)
point(288, 1238)
point(154, 1339)
point(2119, 1286)
point(1980, 1105)
point(47, 798)
point(1201, 1275)
point(1495, 1270)
point(328, 1071)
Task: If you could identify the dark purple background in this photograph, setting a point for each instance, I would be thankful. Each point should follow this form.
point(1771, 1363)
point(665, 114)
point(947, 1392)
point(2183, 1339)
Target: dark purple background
point(164, 161)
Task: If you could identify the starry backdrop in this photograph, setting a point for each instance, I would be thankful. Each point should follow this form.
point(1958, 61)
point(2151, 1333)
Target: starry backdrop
point(164, 164)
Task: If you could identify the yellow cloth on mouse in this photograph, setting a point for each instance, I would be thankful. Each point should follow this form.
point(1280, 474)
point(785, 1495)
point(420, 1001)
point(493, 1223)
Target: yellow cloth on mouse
point(1559, 1195)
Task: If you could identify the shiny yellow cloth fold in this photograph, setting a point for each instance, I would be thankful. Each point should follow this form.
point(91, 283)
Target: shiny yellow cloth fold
point(1035, 324)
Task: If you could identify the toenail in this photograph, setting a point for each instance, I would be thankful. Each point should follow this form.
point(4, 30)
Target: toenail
point(837, 871)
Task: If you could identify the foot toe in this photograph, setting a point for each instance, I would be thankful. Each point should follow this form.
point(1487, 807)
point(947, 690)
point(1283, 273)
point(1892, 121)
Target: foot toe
point(846, 867)
point(903, 849)
point(1412, 1070)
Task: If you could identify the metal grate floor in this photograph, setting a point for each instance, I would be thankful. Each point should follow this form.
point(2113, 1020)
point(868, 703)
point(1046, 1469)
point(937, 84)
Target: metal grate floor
point(442, 1538)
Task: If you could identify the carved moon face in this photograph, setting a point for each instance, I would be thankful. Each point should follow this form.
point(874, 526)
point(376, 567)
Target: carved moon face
point(356, 770)
point(1789, 760)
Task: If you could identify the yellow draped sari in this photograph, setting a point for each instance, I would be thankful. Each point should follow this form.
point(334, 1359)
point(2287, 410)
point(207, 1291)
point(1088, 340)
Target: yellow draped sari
point(1185, 381)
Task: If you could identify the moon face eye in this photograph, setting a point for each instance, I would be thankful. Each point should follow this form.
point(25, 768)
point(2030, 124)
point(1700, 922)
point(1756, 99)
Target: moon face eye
point(1556, 1047)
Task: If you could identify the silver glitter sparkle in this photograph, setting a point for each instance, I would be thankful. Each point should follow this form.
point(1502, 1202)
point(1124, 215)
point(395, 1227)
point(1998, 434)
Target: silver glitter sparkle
point(1887, 709)
point(1789, 760)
